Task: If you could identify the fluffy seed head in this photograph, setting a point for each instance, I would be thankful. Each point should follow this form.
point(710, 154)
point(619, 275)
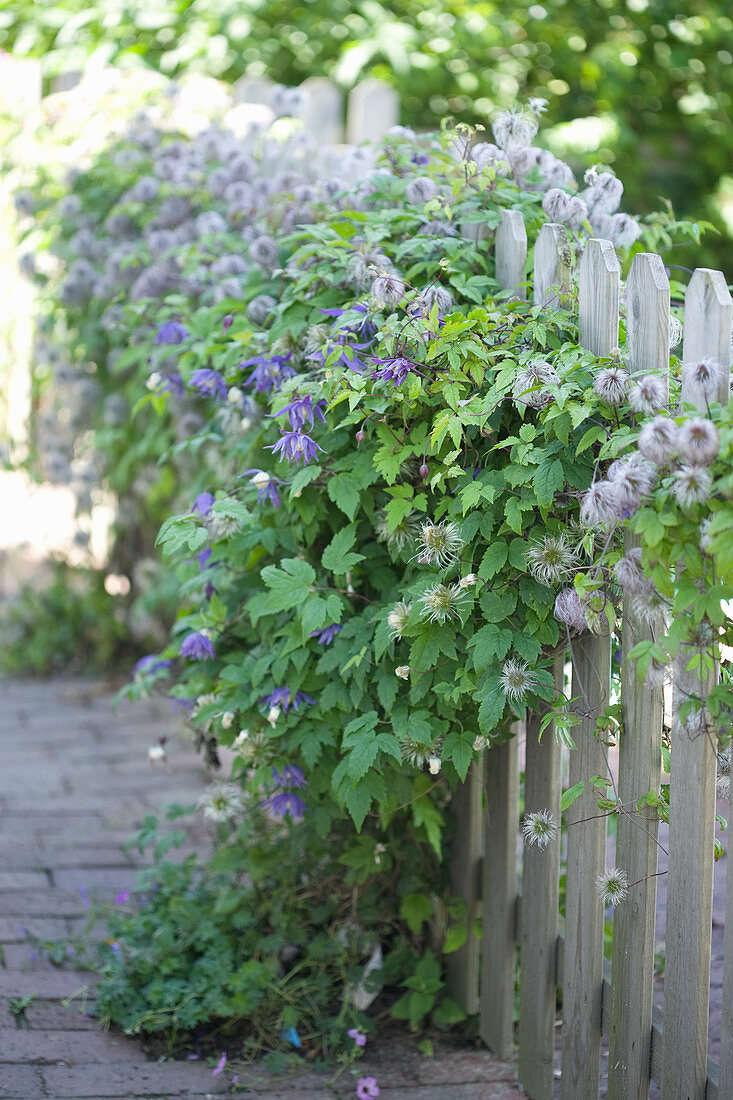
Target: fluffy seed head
point(388, 290)
point(612, 886)
point(555, 204)
point(650, 606)
point(440, 544)
point(398, 618)
point(675, 332)
point(403, 671)
point(649, 395)
point(514, 129)
point(612, 384)
point(659, 441)
point(516, 679)
point(441, 602)
point(600, 504)
point(421, 190)
point(551, 559)
point(539, 828)
point(633, 478)
point(699, 441)
point(221, 802)
point(628, 573)
point(405, 531)
point(528, 382)
point(570, 611)
point(692, 485)
point(704, 376)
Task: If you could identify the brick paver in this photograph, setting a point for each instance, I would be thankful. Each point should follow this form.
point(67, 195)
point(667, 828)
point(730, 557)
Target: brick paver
point(74, 784)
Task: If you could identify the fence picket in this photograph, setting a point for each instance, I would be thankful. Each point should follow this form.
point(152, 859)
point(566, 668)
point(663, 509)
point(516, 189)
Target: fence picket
point(586, 846)
point(373, 107)
point(539, 922)
point(552, 265)
point(692, 785)
point(511, 253)
point(499, 897)
point(323, 110)
point(462, 966)
point(630, 1018)
point(583, 959)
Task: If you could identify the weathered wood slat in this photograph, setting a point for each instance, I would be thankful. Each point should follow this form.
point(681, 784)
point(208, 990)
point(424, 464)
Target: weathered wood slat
point(586, 845)
point(600, 278)
point(462, 966)
point(552, 265)
point(511, 253)
point(630, 1010)
point(498, 947)
point(692, 795)
point(707, 327)
point(539, 920)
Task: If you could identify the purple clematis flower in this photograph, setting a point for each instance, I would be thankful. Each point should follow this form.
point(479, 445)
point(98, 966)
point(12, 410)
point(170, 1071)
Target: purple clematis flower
point(171, 332)
point(348, 359)
point(203, 557)
point(394, 370)
point(280, 697)
point(183, 705)
point(284, 804)
point(197, 647)
point(209, 383)
point(364, 326)
point(150, 664)
point(266, 486)
point(292, 776)
point(203, 504)
point(268, 373)
point(219, 1065)
point(172, 383)
point(327, 634)
point(296, 445)
point(302, 409)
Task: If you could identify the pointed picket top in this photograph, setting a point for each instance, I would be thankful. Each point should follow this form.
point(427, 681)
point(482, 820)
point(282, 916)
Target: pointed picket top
point(511, 253)
point(552, 265)
point(708, 319)
point(323, 110)
point(600, 282)
point(253, 89)
point(647, 315)
point(374, 107)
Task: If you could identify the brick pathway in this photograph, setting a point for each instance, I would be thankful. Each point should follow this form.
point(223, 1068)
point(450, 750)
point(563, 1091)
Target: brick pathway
point(74, 783)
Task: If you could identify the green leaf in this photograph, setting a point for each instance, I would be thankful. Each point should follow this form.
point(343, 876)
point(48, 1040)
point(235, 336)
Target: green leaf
point(448, 1013)
point(548, 480)
point(494, 559)
point(338, 556)
point(290, 585)
point(343, 490)
point(455, 938)
point(415, 909)
point(571, 794)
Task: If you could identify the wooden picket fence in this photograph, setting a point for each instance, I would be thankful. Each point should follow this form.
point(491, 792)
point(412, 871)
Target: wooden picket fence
point(614, 997)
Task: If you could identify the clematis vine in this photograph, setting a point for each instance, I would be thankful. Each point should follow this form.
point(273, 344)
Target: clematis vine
point(295, 446)
point(301, 410)
point(327, 634)
point(394, 369)
point(269, 373)
point(209, 383)
point(171, 332)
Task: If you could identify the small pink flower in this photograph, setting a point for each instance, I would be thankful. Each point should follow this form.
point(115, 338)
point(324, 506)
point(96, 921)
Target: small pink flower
point(358, 1036)
point(367, 1088)
point(219, 1065)
point(122, 898)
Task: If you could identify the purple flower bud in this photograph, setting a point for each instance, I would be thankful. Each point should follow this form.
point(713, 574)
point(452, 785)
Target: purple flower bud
point(227, 322)
point(424, 471)
point(360, 436)
point(197, 647)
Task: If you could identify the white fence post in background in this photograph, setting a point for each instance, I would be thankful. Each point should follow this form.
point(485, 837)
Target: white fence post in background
point(692, 781)
point(510, 253)
point(323, 110)
point(373, 107)
point(552, 265)
point(630, 1020)
point(65, 82)
point(253, 89)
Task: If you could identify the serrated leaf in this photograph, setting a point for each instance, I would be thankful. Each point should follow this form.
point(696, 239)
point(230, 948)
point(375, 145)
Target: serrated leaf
point(344, 492)
point(415, 909)
point(548, 480)
point(494, 559)
point(571, 795)
point(338, 556)
point(290, 585)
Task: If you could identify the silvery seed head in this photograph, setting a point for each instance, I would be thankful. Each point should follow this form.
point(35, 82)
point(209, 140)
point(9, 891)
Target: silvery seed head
point(555, 204)
point(692, 485)
point(514, 129)
point(604, 193)
point(260, 308)
point(612, 384)
point(600, 504)
point(659, 440)
point(648, 395)
point(699, 441)
point(388, 290)
point(551, 559)
point(421, 190)
point(570, 611)
point(539, 828)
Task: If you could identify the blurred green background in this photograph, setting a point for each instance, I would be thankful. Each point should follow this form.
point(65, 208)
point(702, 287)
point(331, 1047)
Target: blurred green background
point(645, 86)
